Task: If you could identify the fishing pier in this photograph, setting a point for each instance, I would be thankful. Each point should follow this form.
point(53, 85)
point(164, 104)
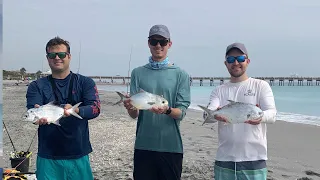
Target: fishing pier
point(211, 81)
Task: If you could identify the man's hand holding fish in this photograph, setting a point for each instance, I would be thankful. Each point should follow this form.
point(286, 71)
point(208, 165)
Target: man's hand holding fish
point(159, 110)
point(41, 121)
point(255, 121)
point(133, 112)
point(69, 106)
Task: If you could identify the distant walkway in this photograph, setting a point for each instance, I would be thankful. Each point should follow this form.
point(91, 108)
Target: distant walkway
point(280, 81)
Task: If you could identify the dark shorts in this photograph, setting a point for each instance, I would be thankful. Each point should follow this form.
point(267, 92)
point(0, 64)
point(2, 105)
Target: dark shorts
point(157, 165)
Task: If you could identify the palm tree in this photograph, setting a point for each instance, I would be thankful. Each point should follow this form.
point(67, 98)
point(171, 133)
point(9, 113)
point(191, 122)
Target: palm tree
point(38, 73)
point(23, 72)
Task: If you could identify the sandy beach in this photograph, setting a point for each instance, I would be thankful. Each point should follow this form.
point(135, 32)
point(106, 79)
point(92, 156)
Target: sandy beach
point(293, 149)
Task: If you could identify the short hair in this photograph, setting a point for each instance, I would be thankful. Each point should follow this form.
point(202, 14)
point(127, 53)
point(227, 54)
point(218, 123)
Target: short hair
point(57, 41)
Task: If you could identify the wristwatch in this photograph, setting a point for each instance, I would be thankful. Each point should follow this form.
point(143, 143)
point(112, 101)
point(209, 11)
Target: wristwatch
point(168, 111)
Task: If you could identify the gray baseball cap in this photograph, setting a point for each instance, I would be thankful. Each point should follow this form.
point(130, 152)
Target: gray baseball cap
point(160, 30)
point(239, 46)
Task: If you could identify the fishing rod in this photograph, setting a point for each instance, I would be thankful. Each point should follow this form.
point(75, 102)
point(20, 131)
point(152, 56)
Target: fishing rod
point(129, 68)
point(14, 148)
point(32, 141)
point(79, 59)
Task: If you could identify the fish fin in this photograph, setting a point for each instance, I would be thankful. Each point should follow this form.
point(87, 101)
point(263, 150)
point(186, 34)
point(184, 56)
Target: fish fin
point(51, 103)
point(142, 90)
point(151, 103)
point(231, 101)
point(36, 118)
point(121, 96)
point(73, 112)
point(204, 121)
point(54, 103)
point(207, 109)
point(57, 122)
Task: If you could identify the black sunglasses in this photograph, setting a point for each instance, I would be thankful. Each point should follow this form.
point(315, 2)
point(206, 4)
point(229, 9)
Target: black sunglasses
point(61, 55)
point(154, 42)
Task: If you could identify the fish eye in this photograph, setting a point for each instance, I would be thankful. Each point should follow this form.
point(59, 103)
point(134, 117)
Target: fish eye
point(163, 102)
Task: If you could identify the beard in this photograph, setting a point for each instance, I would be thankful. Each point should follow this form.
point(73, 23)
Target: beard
point(236, 74)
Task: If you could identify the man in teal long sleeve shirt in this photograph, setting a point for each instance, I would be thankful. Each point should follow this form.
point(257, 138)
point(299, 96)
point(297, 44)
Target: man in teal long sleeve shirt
point(158, 147)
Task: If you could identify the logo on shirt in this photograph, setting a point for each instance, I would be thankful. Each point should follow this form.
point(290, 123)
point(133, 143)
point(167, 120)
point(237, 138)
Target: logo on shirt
point(249, 93)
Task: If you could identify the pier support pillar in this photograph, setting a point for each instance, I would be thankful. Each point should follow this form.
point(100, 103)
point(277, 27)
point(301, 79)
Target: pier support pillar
point(291, 82)
point(211, 82)
point(271, 82)
point(281, 82)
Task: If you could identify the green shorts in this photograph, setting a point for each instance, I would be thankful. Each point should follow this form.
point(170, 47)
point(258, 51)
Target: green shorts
point(48, 169)
point(255, 170)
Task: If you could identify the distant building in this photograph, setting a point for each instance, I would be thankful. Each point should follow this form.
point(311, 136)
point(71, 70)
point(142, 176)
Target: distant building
point(46, 73)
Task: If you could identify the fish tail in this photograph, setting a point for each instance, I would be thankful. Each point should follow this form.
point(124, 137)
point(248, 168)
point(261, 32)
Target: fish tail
point(121, 96)
point(205, 110)
point(73, 112)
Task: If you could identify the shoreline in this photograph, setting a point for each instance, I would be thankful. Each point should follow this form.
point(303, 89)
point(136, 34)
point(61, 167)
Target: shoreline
point(112, 136)
point(284, 115)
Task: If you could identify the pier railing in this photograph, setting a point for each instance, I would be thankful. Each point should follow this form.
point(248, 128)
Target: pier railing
point(211, 81)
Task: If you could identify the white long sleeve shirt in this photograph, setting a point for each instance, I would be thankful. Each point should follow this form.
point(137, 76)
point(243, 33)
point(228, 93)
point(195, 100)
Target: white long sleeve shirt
point(244, 142)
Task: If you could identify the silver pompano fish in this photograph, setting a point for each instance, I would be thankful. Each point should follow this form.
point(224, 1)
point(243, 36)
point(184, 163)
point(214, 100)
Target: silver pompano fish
point(50, 111)
point(235, 112)
point(144, 100)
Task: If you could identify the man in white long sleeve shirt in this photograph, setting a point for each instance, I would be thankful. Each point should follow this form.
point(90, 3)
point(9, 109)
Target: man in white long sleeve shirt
point(242, 147)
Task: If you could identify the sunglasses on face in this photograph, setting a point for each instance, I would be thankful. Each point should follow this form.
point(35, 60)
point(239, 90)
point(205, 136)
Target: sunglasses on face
point(61, 55)
point(162, 42)
point(232, 59)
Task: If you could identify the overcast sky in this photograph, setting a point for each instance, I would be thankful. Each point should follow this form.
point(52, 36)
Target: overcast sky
point(282, 36)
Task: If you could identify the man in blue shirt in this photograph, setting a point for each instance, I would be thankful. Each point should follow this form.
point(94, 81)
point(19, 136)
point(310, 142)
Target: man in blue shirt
point(63, 150)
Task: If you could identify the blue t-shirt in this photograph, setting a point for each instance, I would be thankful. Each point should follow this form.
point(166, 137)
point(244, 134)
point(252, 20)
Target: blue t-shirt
point(71, 139)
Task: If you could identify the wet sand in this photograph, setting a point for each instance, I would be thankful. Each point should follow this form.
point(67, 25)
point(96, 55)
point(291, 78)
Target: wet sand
point(293, 148)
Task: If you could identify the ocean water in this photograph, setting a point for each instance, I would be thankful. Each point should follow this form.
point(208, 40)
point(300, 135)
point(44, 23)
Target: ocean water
point(300, 104)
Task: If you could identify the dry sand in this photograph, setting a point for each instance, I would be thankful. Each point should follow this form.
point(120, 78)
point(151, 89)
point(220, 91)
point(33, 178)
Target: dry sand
point(293, 148)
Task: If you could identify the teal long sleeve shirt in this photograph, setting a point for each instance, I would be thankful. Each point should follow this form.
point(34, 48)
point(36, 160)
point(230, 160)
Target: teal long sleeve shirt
point(160, 132)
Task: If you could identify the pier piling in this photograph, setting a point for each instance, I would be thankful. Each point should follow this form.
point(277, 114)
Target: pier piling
point(281, 81)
